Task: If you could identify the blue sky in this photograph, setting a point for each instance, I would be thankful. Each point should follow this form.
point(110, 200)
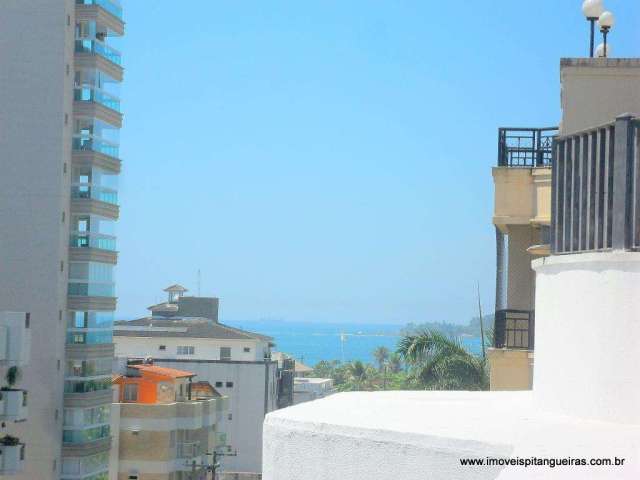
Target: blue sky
point(330, 161)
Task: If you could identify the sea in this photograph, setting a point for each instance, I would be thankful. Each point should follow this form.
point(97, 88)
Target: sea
point(310, 343)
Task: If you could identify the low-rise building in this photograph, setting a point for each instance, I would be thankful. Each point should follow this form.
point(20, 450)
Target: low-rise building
point(310, 388)
point(162, 428)
point(236, 362)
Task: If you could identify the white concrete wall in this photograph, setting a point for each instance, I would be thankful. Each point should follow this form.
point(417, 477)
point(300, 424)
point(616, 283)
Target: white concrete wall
point(205, 348)
point(588, 335)
point(36, 45)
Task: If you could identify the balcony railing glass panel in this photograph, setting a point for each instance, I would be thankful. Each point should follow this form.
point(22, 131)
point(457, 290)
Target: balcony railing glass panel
point(93, 45)
point(89, 93)
point(88, 337)
point(93, 240)
point(92, 289)
point(86, 435)
point(88, 190)
point(85, 141)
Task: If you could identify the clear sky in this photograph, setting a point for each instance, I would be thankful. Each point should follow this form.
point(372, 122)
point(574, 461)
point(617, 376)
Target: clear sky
point(330, 161)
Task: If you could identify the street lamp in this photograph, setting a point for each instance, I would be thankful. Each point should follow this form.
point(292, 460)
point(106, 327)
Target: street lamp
point(592, 9)
point(606, 22)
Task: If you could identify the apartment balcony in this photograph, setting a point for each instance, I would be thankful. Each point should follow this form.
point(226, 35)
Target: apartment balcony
point(12, 457)
point(85, 303)
point(189, 450)
point(104, 12)
point(523, 177)
point(84, 143)
point(15, 339)
point(95, 103)
point(84, 155)
point(92, 206)
point(93, 54)
point(13, 405)
point(83, 253)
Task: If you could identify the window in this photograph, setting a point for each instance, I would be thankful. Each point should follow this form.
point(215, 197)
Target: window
point(225, 353)
point(162, 347)
point(230, 416)
point(218, 384)
point(131, 392)
point(247, 349)
point(229, 384)
point(186, 350)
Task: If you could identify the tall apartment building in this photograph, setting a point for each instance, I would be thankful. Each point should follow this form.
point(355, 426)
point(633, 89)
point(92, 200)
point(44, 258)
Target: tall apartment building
point(184, 333)
point(59, 157)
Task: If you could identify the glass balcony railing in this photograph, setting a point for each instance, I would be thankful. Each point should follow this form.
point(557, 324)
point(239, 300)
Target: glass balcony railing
point(93, 45)
point(110, 6)
point(87, 386)
point(89, 142)
point(87, 190)
point(86, 435)
point(89, 338)
point(89, 93)
point(93, 240)
point(92, 289)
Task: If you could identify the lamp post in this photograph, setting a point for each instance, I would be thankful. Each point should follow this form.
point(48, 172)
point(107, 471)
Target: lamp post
point(606, 22)
point(592, 9)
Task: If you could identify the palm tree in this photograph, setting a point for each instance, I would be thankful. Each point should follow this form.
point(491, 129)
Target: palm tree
point(394, 363)
point(442, 363)
point(381, 354)
point(357, 373)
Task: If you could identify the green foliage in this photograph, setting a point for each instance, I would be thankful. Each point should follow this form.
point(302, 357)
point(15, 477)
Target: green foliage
point(360, 376)
point(9, 440)
point(381, 354)
point(12, 376)
point(439, 362)
point(450, 329)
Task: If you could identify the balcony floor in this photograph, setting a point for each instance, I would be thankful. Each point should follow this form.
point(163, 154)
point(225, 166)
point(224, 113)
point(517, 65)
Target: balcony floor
point(423, 435)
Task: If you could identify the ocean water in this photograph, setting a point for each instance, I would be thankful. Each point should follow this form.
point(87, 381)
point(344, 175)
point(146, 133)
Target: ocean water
point(310, 343)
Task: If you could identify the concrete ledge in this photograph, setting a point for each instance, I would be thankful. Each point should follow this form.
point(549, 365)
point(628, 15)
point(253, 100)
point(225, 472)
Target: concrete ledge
point(423, 435)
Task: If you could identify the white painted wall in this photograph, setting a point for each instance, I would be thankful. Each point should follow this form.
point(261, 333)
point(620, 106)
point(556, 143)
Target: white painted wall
point(423, 435)
point(588, 335)
point(204, 348)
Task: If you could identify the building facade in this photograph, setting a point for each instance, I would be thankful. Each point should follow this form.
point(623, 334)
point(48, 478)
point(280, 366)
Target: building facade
point(237, 363)
point(522, 215)
point(166, 430)
point(58, 205)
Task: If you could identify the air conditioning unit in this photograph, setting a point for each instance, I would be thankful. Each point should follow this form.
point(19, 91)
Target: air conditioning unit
point(14, 404)
point(15, 339)
point(11, 458)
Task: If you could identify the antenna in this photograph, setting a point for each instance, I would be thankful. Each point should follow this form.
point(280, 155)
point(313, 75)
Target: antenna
point(484, 355)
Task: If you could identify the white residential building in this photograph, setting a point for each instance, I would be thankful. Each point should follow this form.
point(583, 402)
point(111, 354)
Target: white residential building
point(235, 362)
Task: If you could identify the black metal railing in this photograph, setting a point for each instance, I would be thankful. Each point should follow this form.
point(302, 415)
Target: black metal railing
point(595, 201)
point(514, 329)
point(525, 147)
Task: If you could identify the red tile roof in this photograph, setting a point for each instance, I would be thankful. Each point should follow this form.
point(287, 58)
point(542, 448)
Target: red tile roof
point(163, 371)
